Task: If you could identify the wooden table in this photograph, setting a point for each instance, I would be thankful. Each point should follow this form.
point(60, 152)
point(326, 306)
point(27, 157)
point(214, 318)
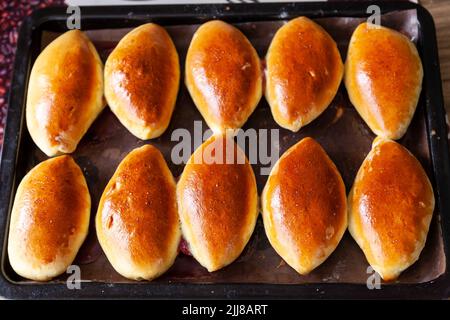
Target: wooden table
point(440, 9)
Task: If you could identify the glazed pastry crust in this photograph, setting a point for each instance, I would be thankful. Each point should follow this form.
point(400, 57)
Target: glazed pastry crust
point(142, 77)
point(223, 75)
point(137, 221)
point(49, 220)
point(383, 77)
point(65, 93)
point(304, 71)
point(217, 203)
point(304, 206)
point(390, 208)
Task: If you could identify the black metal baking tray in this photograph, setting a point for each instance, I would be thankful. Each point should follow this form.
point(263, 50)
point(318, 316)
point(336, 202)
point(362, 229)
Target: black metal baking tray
point(17, 145)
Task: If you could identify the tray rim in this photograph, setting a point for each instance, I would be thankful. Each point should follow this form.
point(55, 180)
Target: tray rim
point(438, 288)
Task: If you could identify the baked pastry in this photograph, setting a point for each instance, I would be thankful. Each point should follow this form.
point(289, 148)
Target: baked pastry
point(142, 77)
point(217, 201)
point(137, 220)
point(390, 208)
point(65, 93)
point(49, 219)
point(383, 77)
point(304, 70)
point(223, 75)
point(304, 206)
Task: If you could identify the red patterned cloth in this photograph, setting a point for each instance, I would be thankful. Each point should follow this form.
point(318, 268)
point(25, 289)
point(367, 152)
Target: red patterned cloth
point(12, 12)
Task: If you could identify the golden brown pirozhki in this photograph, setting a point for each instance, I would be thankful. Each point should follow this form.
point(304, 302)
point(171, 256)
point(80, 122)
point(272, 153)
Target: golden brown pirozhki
point(217, 201)
point(49, 219)
point(304, 70)
point(390, 208)
point(142, 77)
point(223, 75)
point(304, 206)
point(137, 220)
point(383, 77)
point(65, 93)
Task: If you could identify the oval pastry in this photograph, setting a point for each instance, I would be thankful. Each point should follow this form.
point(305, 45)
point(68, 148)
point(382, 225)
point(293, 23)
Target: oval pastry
point(223, 75)
point(383, 77)
point(137, 221)
point(304, 206)
point(49, 219)
point(65, 93)
point(142, 77)
point(217, 201)
point(304, 70)
point(390, 208)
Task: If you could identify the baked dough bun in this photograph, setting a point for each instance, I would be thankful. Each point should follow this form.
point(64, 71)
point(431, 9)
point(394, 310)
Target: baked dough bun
point(137, 220)
point(65, 93)
point(142, 77)
point(223, 75)
point(49, 219)
point(217, 201)
point(304, 70)
point(390, 208)
point(304, 206)
point(383, 77)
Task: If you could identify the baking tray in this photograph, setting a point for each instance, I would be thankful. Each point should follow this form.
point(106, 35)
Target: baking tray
point(259, 272)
